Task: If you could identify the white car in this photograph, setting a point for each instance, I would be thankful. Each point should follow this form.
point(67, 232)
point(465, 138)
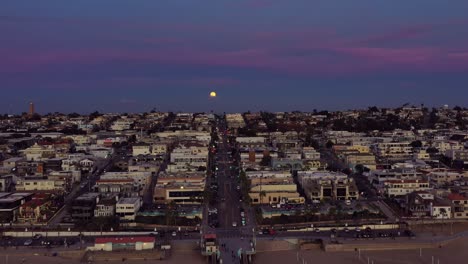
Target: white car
point(234, 224)
point(28, 242)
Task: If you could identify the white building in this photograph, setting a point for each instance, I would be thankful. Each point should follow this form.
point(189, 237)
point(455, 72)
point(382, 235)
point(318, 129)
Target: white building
point(310, 153)
point(127, 208)
point(394, 188)
point(140, 179)
point(141, 149)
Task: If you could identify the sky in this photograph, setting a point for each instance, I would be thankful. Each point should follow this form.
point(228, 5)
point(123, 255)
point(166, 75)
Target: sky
point(275, 55)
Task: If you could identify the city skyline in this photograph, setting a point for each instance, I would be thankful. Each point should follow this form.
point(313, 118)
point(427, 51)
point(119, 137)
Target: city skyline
point(122, 56)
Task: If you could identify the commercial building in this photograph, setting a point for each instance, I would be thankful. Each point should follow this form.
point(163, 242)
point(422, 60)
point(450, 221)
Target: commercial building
point(182, 187)
point(123, 243)
point(273, 187)
point(319, 185)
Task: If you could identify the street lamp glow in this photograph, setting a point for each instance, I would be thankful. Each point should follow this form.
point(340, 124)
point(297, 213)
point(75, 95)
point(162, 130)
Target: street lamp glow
point(213, 94)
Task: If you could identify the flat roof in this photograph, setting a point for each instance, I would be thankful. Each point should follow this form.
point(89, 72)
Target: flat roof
point(124, 240)
point(128, 200)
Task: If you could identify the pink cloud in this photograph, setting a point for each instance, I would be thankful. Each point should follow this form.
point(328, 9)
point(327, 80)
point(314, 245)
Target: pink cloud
point(304, 52)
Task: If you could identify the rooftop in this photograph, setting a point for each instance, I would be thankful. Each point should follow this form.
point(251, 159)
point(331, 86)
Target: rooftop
point(124, 240)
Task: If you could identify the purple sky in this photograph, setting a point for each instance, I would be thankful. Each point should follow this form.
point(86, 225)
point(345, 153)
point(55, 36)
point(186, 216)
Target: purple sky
point(116, 55)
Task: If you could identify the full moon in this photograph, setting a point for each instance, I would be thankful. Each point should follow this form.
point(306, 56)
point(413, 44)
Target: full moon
point(213, 94)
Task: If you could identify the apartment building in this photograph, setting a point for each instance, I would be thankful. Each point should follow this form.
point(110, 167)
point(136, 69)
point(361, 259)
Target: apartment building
point(82, 208)
point(191, 156)
point(393, 150)
point(365, 159)
point(40, 184)
point(393, 188)
point(38, 152)
point(127, 208)
point(141, 179)
point(309, 153)
point(461, 155)
point(235, 120)
point(105, 207)
point(141, 149)
point(459, 205)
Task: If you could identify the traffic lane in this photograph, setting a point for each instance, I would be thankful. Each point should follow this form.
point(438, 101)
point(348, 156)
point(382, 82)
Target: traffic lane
point(351, 234)
point(45, 242)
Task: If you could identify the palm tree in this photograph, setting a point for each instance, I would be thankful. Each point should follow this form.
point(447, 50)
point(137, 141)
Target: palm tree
point(262, 195)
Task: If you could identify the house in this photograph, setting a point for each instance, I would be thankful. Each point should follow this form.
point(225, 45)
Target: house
point(86, 164)
point(106, 207)
point(36, 210)
point(459, 205)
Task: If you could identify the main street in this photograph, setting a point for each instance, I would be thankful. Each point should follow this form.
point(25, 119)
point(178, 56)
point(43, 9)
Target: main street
point(232, 232)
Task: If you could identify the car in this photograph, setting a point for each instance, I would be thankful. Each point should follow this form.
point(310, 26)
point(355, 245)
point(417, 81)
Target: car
point(358, 229)
point(37, 236)
point(234, 224)
point(242, 214)
point(317, 230)
point(28, 242)
point(174, 233)
point(45, 243)
point(272, 232)
point(346, 229)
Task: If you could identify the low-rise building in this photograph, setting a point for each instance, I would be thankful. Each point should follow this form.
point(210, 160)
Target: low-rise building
point(123, 243)
point(10, 203)
point(105, 207)
point(82, 208)
point(183, 187)
point(273, 187)
point(40, 184)
point(127, 208)
point(394, 188)
point(459, 205)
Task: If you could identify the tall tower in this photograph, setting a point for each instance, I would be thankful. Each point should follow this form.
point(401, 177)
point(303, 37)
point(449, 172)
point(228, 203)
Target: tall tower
point(31, 108)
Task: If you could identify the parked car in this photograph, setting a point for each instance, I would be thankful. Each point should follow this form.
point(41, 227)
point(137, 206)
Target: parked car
point(37, 236)
point(28, 242)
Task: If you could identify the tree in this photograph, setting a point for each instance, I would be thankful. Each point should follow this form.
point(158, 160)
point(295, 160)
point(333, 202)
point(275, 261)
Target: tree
point(266, 161)
point(262, 195)
point(329, 144)
point(359, 168)
point(416, 144)
point(432, 150)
